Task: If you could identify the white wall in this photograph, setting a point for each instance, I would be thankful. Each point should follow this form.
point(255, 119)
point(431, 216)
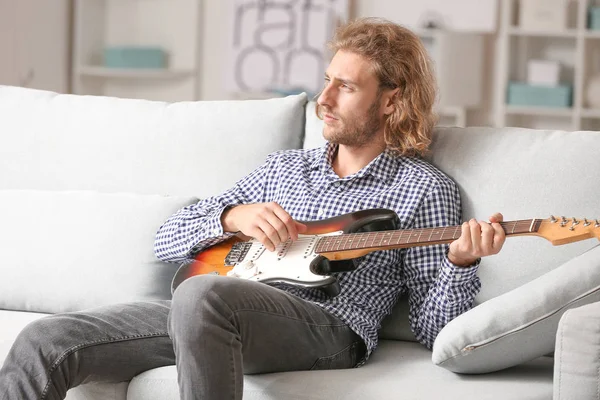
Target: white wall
point(8, 71)
point(34, 44)
point(217, 37)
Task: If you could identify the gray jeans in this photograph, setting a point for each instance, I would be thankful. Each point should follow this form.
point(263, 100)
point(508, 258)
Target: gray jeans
point(215, 330)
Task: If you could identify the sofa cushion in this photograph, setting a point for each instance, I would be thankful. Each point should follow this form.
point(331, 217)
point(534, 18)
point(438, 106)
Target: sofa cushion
point(66, 142)
point(313, 135)
point(99, 391)
point(577, 366)
point(70, 250)
point(11, 323)
point(523, 173)
point(395, 326)
point(519, 325)
point(397, 370)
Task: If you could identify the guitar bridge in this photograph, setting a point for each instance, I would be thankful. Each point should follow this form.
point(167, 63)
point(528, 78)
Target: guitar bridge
point(237, 253)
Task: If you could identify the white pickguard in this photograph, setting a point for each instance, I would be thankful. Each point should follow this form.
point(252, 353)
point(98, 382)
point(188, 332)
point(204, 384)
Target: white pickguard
point(290, 262)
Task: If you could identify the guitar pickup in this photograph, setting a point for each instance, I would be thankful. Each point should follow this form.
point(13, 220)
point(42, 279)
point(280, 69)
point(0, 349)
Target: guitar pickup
point(237, 253)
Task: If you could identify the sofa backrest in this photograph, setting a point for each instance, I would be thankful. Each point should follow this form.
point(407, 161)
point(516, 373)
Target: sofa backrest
point(525, 174)
point(65, 142)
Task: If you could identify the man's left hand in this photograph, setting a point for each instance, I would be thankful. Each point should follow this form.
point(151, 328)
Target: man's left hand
point(477, 239)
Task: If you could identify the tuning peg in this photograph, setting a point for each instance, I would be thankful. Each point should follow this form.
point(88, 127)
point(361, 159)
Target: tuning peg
point(597, 224)
point(586, 222)
point(552, 219)
point(563, 221)
point(575, 222)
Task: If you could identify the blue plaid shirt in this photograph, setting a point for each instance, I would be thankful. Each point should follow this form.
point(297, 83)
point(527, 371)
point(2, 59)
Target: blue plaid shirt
point(305, 185)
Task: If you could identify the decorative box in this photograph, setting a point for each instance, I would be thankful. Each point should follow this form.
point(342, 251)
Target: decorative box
point(594, 18)
point(134, 57)
point(523, 94)
point(543, 72)
point(543, 14)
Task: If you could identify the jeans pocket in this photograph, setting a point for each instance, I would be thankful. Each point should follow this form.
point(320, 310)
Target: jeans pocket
point(345, 358)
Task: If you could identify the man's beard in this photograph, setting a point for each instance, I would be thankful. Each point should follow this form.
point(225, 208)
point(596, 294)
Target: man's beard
point(357, 130)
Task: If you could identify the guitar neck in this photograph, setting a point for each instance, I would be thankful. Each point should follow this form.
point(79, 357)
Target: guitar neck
point(387, 240)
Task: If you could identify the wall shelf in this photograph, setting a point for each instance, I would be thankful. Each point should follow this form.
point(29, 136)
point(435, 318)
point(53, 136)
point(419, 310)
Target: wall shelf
point(541, 111)
point(117, 73)
point(590, 113)
point(567, 33)
point(592, 34)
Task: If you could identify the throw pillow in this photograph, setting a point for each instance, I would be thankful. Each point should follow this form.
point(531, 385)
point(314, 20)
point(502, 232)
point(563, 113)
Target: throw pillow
point(70, 250)
point(519, 325)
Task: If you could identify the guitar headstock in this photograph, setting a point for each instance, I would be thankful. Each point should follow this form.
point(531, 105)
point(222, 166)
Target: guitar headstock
point(568, 230)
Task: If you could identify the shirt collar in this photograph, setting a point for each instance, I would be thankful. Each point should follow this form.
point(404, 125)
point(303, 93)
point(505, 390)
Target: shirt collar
point(383, 167)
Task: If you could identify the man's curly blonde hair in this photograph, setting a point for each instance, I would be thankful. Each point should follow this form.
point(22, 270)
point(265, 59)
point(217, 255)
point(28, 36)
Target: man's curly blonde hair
point(399, 60)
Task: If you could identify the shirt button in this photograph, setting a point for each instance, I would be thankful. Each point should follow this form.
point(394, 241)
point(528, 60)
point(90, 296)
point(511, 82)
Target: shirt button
point(216, 231)
point(458, 276)
point(320, 212)
point(336, 184)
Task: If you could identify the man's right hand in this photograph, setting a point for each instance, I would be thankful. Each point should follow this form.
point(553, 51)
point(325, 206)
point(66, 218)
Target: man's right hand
point(268, 223)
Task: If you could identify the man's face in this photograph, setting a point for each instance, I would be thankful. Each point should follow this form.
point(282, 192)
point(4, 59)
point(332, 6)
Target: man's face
point(351, 101)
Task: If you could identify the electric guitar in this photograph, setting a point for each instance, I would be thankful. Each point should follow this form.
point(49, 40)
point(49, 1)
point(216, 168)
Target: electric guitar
point(331, 245)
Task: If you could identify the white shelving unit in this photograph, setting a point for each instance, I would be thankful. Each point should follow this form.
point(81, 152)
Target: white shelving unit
point(174, 25)
point(573, 47)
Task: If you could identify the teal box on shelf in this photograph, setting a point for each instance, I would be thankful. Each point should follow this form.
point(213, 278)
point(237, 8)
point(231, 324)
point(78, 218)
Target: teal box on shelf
point(523, 94)
point(134, 57)
point(594, 18)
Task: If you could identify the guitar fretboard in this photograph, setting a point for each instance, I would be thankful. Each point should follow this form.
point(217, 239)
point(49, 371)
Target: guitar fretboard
point(412, 237)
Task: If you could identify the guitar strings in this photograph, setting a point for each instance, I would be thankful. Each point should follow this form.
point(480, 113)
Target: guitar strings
point(395, 234)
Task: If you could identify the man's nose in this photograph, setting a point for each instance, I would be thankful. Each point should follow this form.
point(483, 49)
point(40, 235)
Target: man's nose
point(325, 97)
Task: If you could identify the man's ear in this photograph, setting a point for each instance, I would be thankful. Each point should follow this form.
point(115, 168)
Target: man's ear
point(389, 101)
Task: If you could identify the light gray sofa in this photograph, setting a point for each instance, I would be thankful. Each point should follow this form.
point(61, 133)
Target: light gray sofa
point(86, 181)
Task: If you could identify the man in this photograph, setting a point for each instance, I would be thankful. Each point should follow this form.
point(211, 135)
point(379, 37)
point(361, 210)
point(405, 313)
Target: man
point(376, 104)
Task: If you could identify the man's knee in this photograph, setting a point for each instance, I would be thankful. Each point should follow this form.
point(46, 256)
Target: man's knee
point(201, 300)
point(45, 337)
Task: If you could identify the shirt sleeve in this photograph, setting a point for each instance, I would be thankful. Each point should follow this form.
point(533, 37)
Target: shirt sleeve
point(438, 290)
point(198, 226)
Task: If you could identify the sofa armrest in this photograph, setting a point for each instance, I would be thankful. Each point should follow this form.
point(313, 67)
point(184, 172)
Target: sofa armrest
point(577, 354)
